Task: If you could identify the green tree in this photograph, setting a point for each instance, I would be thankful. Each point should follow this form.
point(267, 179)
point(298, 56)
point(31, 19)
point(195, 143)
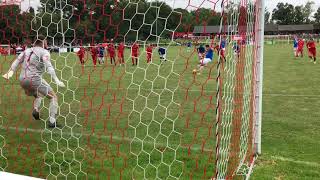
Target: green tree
point(283, 13)
point(14, 25)
point(299, 17)
point(317, 16)
point(267, 15)
point(307, 11)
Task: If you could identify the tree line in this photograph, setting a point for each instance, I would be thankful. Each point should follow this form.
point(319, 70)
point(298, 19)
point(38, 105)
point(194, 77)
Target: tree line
point(96, 21)
point(286, 13)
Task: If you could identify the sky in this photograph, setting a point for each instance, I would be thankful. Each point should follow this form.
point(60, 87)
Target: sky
point(270, 4)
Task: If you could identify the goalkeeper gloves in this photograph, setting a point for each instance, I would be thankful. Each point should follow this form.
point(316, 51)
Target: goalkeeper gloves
point(8, 75)
point(59, 83)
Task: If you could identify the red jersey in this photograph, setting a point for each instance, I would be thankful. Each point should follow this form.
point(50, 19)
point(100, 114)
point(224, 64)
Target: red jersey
point(135, 49)
point(300, 44)
point(121, 48)
point(94, 51)
point(81, 52)
point(111, 48)
point(149, 50)
point(311, 45)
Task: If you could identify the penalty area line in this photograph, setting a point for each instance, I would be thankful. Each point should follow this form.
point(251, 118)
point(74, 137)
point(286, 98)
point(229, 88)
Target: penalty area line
point(280, 158)
point(126, 139)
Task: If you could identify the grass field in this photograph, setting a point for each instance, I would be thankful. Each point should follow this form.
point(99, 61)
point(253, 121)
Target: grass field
point(106, 110)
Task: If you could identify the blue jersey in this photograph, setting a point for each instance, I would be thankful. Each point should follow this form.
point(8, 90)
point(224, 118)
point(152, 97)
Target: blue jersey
point(189, 44)
point(295, 43)
point(223, 44)
point(101, 51)
point(209, 54)
point(236, 48)
point(162, 51)
point(201, 49)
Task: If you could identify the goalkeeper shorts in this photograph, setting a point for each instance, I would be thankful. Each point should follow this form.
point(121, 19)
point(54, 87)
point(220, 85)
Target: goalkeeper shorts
point(35, 86)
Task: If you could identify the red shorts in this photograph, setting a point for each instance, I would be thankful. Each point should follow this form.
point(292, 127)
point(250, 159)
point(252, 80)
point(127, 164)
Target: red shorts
point(120, 55)
point(111, 55)
point(134, 55)
point(222, 53)
point(300, 50)
point(312, 52)
point(149, 56)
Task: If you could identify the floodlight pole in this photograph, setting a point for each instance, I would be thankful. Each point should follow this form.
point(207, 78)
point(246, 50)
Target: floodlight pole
point(259, 76)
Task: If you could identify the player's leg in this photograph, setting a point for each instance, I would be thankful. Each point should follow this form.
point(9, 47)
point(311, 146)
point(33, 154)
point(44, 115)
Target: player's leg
point(44, 89)
point(204, 62)
point(136, 58)
point(122, 59)
point(36, 106)
point(132, 59)
point(82, 60)
point(29, 90)
point(314, 53)
point(223, 55)
point(310, 55)
point(94, 60)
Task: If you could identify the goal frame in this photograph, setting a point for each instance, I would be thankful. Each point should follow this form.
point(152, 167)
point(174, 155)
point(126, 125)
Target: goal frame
point(259, 77)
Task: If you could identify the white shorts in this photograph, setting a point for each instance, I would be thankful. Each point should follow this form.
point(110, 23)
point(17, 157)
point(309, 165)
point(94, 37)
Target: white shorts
point(205, 61)
point(295, 49)
point(163, 56)
point(35, 86)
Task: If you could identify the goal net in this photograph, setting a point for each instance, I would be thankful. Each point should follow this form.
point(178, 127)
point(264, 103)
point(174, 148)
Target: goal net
point(159, 111)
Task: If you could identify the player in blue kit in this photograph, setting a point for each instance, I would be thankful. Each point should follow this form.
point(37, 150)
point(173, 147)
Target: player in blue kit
point(295, 46)
point(189, 44)
point(162, 53)
point(101, 54)
point(206, 60)
point(222, 49)
point(201, 52)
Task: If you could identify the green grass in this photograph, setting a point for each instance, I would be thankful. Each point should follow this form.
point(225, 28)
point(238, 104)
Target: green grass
point(109, 112)
point(290, 117)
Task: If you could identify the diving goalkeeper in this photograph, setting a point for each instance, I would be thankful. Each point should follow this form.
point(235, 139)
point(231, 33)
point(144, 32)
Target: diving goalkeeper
point(35, 61)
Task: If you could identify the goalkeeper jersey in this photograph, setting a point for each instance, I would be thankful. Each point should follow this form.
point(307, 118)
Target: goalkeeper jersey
point(35, 61)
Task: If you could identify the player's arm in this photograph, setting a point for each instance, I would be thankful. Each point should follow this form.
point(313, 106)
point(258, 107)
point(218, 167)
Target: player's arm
point(14, 66)
point(50, 70)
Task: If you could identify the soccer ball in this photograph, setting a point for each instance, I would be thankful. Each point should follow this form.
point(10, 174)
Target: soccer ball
point(111, 6)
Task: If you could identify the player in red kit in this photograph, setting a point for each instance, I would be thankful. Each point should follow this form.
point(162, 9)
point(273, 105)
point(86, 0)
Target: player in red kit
point(94, 54)
point(81, 53)
point(111, 52)
point(121, 53)
point(300, 48)
point(149, 53)
point(135, 53)
point(312, 51)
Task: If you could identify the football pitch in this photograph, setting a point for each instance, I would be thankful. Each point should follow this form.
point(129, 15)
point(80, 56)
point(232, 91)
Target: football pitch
point(123, 122)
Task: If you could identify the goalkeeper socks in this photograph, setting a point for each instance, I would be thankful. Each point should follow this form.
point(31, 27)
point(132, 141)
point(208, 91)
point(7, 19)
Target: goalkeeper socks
point(37, 103)
point(136, 61)
point(53, 109)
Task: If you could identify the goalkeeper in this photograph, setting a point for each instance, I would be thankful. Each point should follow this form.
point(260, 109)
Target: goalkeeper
point(35, 61)
point(163, 54)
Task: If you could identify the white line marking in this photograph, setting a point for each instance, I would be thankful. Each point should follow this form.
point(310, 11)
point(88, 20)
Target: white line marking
point(126, 139)
point(195, 90)
point(296, 161)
